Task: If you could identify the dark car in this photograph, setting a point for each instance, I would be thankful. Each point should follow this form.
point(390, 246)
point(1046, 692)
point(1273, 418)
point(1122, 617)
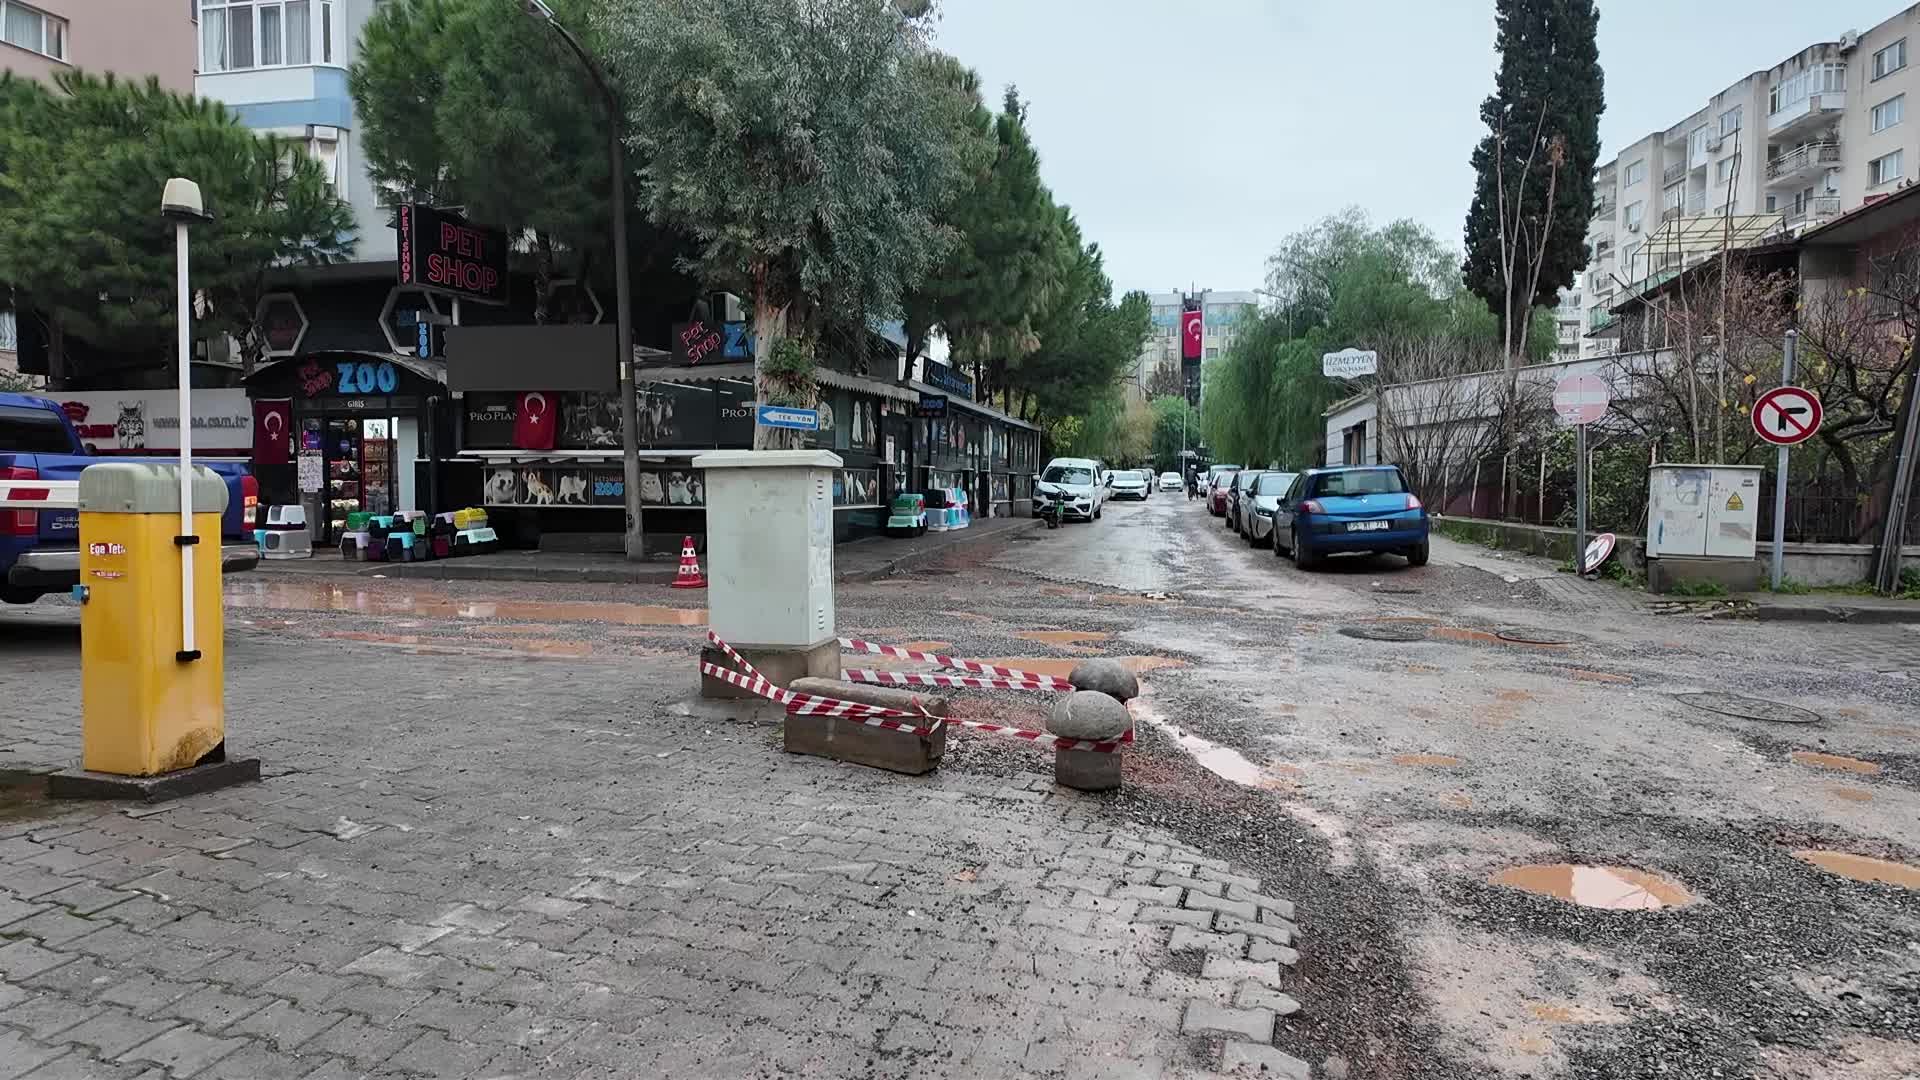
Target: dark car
point(1213, 485)
point(1237, 496)
point(1360, 509)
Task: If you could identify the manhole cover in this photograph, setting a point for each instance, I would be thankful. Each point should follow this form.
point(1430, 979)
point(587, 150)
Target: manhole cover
point(1748, 708)
point(1386, 632)
point(1533, 635)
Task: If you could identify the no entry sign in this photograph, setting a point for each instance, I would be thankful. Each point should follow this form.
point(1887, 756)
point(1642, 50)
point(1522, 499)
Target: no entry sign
point(1581, 399)
point(1786, 415)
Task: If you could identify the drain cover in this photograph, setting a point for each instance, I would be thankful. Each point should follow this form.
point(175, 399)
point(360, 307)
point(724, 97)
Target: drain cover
point(1386, 632)
point(1748, 708)
point(1533, 635)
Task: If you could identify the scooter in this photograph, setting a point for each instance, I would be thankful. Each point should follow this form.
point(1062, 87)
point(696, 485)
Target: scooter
point(1054, 512)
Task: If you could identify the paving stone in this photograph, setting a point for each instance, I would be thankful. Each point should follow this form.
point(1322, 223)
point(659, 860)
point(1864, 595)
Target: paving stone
point(20, 1055)
point(24, 959)
point(1175, 916)
point(285, 1024)
point(1252, 1059)
point(1202, 902)
point(1219, 873)
point(1187, 937)
point(365, 1044)
point(1226, 967)
point(145, 995)
point(183, 1051)
point(1279, 908)
point(434, 1055)
point(82, 898)
point(113, 1031)
point(1253, 995)
point(77, 1065)
point(1255, 1025)
point(1278, 933)
point(1186, 881)
point(261, 1062)
point(305, 986)
point(1267, 950)
point(1158, 895)
point(212, 1008)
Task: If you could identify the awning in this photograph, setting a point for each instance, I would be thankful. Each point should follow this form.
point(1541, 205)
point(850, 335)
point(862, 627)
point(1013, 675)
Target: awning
point(971, 406)
point(1684, 235)
point(743, 372)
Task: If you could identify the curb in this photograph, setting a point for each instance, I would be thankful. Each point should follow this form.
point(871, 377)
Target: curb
point(1837, 613)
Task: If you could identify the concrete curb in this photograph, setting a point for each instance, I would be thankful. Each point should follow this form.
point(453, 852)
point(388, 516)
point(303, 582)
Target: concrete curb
point(1868, 615)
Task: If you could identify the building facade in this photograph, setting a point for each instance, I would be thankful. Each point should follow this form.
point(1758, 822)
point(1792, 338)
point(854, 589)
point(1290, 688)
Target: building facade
point(1817, 135)
point(130, 38)
point(1223, 315)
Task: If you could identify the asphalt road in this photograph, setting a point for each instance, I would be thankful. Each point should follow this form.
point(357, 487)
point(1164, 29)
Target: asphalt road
point(1520, 720)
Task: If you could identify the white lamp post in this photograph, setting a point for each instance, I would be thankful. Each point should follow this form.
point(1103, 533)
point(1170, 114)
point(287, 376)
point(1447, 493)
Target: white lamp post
point(181, 205)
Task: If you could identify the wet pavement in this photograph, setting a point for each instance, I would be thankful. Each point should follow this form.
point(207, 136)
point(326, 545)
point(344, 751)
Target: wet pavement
point(1517, 848)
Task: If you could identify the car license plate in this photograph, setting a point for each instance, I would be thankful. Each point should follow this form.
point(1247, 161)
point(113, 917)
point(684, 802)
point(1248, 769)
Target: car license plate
point(1365, 526)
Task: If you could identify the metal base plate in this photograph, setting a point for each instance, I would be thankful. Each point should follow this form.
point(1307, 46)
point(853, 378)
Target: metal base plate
point(83, 784)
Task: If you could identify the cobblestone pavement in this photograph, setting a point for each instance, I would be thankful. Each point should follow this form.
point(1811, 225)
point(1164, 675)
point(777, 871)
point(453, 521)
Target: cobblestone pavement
point(506, 866)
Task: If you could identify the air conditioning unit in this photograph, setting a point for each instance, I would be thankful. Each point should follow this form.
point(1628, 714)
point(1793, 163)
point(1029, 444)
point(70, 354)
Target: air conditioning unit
point(1850, 41)
point(1713, 140)
point(1633, 226)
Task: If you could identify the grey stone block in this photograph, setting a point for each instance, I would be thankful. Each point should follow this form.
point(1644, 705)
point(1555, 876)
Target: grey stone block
point(183, 1051)
point(1175, 916)
point(1227, 967)
point(1086, 770)
point(1201, 901)
point(1253, 995)
point(1250, 1059)
point(1105, 676)
point(1255, 1025)
point(1282, 909)
point(780, 665)
point(1267, 950)
point(1088, 714)
point(1187, 937)
point(841, 739)
point(1280, 933)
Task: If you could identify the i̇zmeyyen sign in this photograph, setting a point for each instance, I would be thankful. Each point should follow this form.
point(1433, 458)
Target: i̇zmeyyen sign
point(1349, 363)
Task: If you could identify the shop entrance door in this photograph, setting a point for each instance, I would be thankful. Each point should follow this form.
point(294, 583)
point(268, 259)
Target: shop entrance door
point(358, 459)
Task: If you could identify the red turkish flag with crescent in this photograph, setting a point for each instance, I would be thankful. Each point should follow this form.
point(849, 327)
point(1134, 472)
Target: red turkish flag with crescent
point(536, 420)
point(272, 431)
point(1192, 335)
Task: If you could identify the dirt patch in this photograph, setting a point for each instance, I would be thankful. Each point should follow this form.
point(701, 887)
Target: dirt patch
point(1062, 637)
point(1439, 760)
point(1821, 760)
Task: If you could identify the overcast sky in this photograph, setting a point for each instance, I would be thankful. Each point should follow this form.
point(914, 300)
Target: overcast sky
point(1189, 138)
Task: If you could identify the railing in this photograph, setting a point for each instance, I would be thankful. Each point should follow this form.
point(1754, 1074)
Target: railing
point(1814, 209)
point(1602, 249)
point(1602, 210)
point(1670, 213)
point(1811, 155)
point(1674, 171)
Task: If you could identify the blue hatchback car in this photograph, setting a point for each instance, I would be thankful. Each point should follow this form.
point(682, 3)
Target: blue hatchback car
point(1363, 508)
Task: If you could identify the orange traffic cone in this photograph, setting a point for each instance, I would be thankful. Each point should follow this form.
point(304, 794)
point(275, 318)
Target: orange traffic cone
point(689, 576)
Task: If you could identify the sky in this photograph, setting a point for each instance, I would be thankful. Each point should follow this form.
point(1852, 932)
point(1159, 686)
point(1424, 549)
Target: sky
point(1189, 139)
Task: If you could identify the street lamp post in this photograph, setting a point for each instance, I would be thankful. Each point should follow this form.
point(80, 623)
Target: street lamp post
point(622, 300)
point(180, 203)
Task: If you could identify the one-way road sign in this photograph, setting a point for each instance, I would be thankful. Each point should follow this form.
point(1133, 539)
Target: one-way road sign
point(1786, 415)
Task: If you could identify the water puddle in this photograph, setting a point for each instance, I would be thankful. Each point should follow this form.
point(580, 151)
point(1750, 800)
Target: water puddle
point(1863, 867)
point(1610, 888)
point(1062, 637)
point(1835, 761)
point(1852, 794)
point(287, 596)
point(1442, 760)
point(1043, 665)
point(1222, 761)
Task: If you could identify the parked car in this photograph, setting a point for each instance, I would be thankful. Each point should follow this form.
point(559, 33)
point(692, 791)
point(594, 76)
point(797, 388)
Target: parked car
point(1148, 478)
point(1213, 487)
point(40, 549)
point(1129, 484)
point(1366, 508)
point(1258, 504)
point(1236, 489)
point(1076, 484)
point(1170, 481)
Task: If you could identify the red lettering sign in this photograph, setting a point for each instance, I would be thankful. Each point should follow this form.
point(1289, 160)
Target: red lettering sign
point(314, 378)
point(698, 342)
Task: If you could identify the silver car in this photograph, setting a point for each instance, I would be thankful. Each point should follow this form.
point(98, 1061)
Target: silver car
point(1258, 505)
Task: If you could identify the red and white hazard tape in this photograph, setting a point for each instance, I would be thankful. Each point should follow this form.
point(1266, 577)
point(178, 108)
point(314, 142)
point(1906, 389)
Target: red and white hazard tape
point(916, 678)
point(1042, 737)
point(1032, 681)
point(810, 705)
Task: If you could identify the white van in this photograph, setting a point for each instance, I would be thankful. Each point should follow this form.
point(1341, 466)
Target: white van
point(1079, 485)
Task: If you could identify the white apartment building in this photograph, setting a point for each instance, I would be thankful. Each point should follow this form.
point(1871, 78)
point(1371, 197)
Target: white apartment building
point(1221, 316)
point(1818, 134)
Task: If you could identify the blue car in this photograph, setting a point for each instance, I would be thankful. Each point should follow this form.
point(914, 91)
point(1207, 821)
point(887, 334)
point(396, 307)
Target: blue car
point(1365, 508)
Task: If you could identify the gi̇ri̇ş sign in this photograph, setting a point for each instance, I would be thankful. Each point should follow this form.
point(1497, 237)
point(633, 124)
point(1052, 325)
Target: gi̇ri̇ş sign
point(440, 250)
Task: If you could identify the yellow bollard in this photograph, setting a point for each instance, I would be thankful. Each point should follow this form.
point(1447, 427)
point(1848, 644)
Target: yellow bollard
point(153, 716)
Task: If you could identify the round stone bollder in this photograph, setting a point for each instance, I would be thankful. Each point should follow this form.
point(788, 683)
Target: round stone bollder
point(1089, 714)
point(1110, 677)
point(1086, 770)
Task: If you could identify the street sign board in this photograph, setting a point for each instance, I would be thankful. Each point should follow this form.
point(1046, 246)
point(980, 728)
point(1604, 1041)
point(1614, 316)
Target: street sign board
point(1786, 415)
point(780, 416)
point(931, 407)
point(1581, 399)
point(1597, 552)
point(1349, 363)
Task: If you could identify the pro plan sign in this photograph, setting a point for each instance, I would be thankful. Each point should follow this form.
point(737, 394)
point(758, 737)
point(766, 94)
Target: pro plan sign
point(439, 250)
point(1786, 415)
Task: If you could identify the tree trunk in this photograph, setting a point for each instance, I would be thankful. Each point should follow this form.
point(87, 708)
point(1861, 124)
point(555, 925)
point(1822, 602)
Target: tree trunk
point(542, 279)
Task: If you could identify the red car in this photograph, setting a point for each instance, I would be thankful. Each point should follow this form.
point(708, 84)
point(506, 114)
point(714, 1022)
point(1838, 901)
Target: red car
point(1214, 484)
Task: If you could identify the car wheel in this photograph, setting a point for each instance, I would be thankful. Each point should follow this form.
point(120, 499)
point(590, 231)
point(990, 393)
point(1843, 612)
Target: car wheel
point(1417, 554)
point(1252, 540)
point(1096, 512)
point(1278, 551)
point(1303, 556)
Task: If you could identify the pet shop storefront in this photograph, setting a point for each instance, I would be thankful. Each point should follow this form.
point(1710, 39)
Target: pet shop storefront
point(980, 449)
point(340, 432)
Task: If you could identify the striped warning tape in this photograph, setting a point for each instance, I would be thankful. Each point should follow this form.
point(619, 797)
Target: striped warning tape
point(1038, 682)
point(915, 678)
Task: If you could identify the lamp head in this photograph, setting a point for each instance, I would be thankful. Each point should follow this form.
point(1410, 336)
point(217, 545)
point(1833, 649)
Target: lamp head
point(538, 8)
point(181, 202)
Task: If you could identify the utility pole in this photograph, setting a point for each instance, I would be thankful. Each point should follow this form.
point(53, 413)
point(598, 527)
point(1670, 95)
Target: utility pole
point(1886, 575)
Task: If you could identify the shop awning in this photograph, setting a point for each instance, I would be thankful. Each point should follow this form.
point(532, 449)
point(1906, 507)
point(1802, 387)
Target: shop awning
point(743, 372)
point(971, 406)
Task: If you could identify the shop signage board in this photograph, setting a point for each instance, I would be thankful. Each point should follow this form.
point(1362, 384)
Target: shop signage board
point(142, 421)
point(790, 419)
point(1349, 363)
point(1787, 415)
point(694, 342)
point(945, 378)
point(931, 407)
point(442, 251)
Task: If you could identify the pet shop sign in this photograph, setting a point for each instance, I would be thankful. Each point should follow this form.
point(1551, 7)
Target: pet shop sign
point(440, 250)
point(143, 421)
point(348, 378)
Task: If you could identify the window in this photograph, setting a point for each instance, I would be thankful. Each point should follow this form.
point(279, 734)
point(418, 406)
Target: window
point(237, 35)
point(1636, 172)
point(1358, 482)
point(1889, 112)
point(1773, 203)
point(1884, 170)
point(32, 431)
point(1727, 168)
point(1675, 197)
point(9, 332)
point(1635, 213)
point(1212, 352)
point(1697, 144)
point(32, 29)
point(1730, 121)
point(1890, 59)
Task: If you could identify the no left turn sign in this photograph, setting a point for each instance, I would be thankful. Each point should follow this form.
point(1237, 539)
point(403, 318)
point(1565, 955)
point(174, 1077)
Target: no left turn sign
point(1786, 415)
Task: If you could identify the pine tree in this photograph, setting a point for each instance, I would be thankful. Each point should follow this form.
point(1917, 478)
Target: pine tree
point(1542, 134)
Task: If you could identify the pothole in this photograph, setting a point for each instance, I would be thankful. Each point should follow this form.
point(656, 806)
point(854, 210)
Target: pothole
point(1062, 637)
point(1393, 631)
point(1749, 708)
point(1820, 760)
point(1610, 888)
point(1441, 760)
point(1535, 635)
point(1863, 867)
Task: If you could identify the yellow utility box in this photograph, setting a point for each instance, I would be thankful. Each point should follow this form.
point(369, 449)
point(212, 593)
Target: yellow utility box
point(145, 708)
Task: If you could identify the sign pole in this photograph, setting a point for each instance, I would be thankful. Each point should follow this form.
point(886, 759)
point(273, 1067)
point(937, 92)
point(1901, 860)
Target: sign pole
point(1787, 359)
point(1579, 499)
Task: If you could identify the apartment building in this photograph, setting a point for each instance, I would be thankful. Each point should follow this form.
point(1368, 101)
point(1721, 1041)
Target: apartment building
point(1223, 315)
point(1781, 150)
point(130, 38)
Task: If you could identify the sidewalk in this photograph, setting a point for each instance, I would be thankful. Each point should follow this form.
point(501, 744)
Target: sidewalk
point(866, 559)
point(1833, 607)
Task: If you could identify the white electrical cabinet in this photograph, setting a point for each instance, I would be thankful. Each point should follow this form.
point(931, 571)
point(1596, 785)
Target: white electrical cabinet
point(770, 546)
point(1703, 511)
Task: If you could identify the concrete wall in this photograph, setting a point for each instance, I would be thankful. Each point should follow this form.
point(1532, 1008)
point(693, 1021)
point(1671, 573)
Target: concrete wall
point(131, 38)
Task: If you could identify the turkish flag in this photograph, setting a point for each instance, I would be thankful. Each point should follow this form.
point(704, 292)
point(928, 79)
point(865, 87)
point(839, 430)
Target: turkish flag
point(535, 421)
point(1192, 335)
point(272, 430)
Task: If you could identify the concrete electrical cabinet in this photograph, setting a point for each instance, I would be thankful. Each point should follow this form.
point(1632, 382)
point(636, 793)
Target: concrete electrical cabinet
point(1703, 524)
point(770, 561)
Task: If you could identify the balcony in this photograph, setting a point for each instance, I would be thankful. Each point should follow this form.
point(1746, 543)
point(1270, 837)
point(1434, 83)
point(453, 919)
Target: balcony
point(1803, 162)
point(1602, 210)
point(1809, 112)
point(1673, 172)
point(1813, 211)
point(1697, 203)
point(1670, 213)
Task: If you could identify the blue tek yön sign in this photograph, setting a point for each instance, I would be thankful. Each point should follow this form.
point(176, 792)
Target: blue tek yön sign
point(776, 416)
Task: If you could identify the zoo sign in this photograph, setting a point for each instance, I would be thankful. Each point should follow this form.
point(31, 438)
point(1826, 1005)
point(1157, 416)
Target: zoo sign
point(350, 378)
